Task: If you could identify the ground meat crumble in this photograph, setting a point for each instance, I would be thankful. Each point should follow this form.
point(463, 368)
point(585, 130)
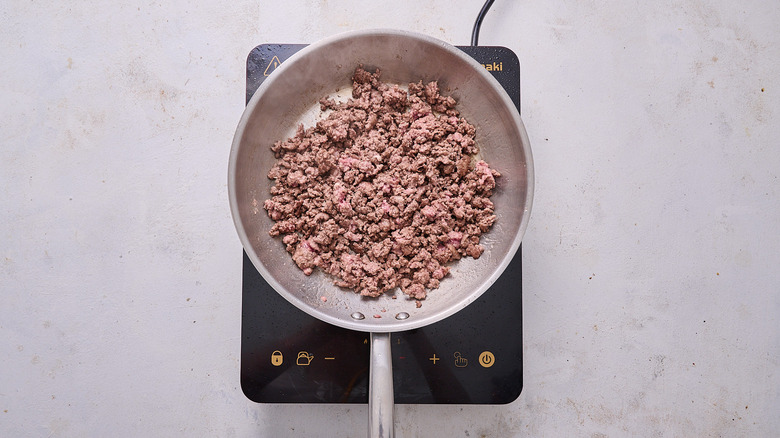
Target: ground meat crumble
point(384, 191)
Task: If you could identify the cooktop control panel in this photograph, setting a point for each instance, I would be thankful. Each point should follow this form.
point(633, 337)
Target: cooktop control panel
point(472, 357)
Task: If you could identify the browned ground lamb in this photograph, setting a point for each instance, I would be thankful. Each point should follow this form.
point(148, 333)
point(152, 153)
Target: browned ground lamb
point(385, 191)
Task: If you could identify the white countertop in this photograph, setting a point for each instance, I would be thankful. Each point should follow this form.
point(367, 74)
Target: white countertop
point(651, 280)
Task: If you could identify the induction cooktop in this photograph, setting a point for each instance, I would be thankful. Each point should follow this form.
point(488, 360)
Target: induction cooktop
point(472, 357)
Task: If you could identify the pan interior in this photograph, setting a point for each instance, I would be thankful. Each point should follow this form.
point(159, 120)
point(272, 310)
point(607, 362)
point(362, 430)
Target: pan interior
point(290, 97)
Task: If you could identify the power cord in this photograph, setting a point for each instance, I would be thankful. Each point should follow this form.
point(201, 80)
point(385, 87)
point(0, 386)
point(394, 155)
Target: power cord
point(478, 23)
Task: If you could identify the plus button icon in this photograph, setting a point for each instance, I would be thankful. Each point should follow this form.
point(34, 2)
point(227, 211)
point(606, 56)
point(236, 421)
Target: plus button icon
point(433, 358)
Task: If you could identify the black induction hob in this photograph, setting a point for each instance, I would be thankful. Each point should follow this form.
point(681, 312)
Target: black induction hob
point(472, 357)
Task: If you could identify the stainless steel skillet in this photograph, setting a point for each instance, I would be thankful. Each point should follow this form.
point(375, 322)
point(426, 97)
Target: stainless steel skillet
point(290, 96)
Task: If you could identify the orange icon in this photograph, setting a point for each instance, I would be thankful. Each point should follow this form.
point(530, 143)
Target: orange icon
point(486, 359)
point(277, 358)
point(304, 358)
point(460, 361)
point(271, 66)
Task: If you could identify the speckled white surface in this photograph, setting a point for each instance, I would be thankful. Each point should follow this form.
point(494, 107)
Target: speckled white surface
point(651, 288)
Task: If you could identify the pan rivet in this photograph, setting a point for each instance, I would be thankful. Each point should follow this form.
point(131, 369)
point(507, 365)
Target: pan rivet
point(402, 315)
point(358, 316)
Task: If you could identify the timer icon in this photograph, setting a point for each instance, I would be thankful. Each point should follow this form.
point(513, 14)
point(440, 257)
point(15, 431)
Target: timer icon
point(486, 359)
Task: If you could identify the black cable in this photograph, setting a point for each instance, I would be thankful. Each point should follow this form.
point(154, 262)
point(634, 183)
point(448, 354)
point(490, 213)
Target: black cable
point(478, 23)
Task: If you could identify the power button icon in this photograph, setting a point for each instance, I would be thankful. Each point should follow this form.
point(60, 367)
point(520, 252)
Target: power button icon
point(486, 359)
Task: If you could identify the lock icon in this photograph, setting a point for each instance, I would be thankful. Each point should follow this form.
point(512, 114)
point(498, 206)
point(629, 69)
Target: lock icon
point(276, 358)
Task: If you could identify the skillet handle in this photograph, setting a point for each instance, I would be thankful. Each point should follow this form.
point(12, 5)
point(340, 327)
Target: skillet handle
point(380, 388)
